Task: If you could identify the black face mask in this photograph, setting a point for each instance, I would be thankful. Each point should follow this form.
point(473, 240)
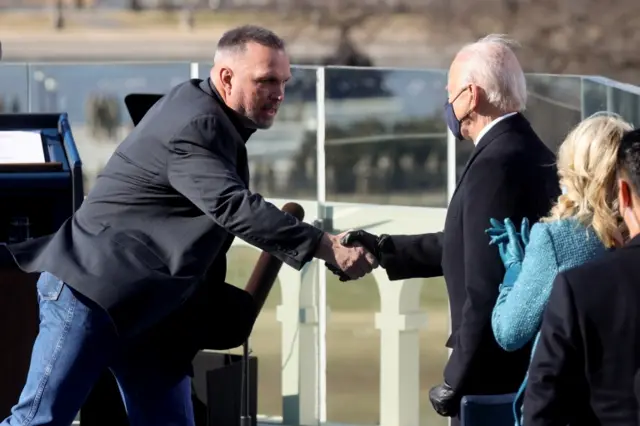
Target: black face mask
point(454, 123)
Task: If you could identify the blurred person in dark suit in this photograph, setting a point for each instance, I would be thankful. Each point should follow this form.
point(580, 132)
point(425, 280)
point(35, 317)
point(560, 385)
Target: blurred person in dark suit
point(135, 280)
point(587, 356)
point(636, 389)
point(511, 173)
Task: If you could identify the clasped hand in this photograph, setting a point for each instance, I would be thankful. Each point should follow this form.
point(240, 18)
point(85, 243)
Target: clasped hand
point(348, 258)
point(361, 240)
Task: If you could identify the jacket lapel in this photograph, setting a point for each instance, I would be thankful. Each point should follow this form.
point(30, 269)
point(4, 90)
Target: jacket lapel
point(508, 124)
point(633, 242)
point(234, 127)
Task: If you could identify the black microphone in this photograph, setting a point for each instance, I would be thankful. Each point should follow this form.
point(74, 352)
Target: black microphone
point(259, 286)
point(268, 266)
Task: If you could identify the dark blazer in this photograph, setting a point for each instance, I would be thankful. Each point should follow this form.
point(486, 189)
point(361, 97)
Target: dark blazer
point(636, 390)
point(588, 353)
point(164, 212)
point(511, 173)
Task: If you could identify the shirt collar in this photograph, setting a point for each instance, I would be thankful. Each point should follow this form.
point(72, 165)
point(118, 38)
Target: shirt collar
point(490, 125)
point(243, 125)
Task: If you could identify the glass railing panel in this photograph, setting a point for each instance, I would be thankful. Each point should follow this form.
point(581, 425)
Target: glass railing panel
point(14, 88)
point(93, 96)
point(385, 136)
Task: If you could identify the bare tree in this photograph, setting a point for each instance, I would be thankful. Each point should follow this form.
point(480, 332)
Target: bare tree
point(135, 6)
point(58, 18)
point(557, 36)
point(187, 14)
point(343, 17)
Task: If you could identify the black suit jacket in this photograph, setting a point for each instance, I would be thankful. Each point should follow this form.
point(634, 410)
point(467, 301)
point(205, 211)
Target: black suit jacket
point(163, 213)
point(588, 353)
point(511, 174)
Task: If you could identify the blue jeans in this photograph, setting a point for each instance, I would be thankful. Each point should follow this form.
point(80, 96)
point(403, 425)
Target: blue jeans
point(75, 344)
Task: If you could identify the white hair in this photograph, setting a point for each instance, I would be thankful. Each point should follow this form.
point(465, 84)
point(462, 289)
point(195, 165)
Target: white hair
point(491, 64)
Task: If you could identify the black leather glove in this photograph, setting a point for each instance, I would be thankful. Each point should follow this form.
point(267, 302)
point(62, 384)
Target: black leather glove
point(376, 245)
point(369, 241)
point(445, 401)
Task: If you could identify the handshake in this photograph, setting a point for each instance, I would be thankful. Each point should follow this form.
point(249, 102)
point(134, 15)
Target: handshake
point(353, 254)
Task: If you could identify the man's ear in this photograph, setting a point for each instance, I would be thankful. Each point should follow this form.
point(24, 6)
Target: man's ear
point(624, 195)
point(226, 77)
point(474, 96)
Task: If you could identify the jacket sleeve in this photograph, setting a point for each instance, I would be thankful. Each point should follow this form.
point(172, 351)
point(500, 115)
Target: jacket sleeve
point(414, 256)
point(556, 386)
point(202, 167)
point(518, 312)
point(493, 191)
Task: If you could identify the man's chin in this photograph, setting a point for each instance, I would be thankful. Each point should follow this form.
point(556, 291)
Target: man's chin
point(264, 124)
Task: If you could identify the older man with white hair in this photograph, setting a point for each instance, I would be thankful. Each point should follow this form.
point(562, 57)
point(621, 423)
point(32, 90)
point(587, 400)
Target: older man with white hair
point(510, 174)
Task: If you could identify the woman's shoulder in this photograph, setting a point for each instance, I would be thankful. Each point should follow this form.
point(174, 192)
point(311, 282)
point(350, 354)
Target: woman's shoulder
point(564, 227)
point(560, 232)
point(570, 236)
point(559, 225)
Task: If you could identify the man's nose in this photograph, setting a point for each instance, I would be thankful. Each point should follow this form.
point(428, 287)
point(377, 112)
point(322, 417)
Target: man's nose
point(279, 92)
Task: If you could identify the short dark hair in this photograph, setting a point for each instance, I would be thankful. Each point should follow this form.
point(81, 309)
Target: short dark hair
point(628, 163)
point(238, 38)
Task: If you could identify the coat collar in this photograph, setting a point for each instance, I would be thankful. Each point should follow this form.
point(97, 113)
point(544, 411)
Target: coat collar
point(634, 242)
point(241, 123)
point(515, 122)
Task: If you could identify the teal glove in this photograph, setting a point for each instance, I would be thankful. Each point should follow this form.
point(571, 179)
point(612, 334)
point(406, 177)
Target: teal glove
point(510, 243)
point(510, 276)
point(525, 232)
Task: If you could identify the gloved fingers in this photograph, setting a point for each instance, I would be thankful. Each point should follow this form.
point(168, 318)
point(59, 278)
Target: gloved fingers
point(358, 236)
point(504, 252)
point(349, 238)
point(495, 231)
point(444, 400)
point(499, 239)
point(495, 223)
point(525, 231)
point(514, 237)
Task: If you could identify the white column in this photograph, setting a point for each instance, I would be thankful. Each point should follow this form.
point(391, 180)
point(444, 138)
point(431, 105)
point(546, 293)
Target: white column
point(194, 70)
point(299, 317)
point(321, 271)
point(399, 322)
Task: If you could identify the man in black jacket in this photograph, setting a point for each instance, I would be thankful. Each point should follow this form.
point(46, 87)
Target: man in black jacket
point(128, 277)
point(511, 173)
point(583, 369)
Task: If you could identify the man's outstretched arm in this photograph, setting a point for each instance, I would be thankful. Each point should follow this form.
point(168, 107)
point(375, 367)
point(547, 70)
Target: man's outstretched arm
point(402, 256)
point(415, 256)
point(202, 167)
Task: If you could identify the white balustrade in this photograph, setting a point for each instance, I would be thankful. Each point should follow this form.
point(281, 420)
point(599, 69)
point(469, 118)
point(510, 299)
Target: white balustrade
point(400, 320)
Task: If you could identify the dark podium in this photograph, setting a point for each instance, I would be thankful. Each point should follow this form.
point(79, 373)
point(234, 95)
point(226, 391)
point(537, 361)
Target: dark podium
point(35, 199)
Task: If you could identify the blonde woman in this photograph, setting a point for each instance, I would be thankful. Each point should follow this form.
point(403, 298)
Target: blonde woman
point(582, 225)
